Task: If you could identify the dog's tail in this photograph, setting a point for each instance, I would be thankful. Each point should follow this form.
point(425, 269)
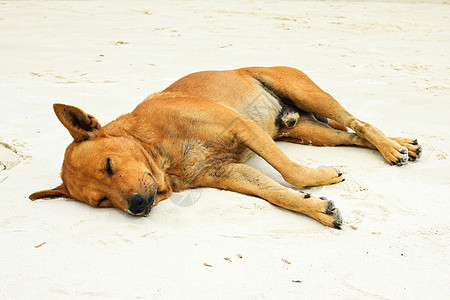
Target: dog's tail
point(336, 125)
point(332, 123)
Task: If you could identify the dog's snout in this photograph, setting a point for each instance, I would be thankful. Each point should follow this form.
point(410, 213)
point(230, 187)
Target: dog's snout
point(138, 204)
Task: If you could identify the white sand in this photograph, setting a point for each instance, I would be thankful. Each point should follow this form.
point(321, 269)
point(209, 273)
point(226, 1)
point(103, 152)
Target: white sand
point(388, 63)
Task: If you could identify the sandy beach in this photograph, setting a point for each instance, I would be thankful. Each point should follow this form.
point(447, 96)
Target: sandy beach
point(386, 62)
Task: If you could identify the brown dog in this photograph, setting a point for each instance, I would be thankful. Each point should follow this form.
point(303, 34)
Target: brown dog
point(199, 132)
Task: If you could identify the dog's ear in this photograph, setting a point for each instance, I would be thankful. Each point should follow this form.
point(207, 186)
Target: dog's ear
point(81, 125)
point(59, 191)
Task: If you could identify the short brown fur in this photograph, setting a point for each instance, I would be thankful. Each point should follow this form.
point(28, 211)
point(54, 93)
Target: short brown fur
point(199, 132)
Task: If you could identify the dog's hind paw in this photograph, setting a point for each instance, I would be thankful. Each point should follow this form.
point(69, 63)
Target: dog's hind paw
point(413, 146)
point(403, 159)
point(415, 150)
point(394, 152)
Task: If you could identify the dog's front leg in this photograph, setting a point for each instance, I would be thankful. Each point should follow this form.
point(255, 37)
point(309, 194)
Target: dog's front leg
point(255, 138)
point(247, 180)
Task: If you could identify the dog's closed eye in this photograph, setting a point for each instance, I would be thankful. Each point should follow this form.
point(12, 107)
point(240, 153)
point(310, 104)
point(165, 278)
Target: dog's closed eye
point(109, 169)
point(102, 201)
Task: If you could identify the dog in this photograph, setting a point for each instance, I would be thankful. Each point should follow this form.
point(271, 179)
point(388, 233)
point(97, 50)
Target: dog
point(199, 132)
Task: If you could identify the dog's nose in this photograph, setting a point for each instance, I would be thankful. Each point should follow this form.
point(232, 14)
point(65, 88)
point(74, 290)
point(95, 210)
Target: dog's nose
point(138, 204)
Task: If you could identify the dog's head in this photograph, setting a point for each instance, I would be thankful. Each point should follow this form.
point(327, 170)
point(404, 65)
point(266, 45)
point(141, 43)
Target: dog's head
point(103, 170)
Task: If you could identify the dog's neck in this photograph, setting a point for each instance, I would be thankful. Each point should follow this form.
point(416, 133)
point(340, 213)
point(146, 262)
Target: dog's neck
point(128, 126)
point(156, 148)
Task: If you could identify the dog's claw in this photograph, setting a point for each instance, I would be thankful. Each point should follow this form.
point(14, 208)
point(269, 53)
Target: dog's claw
point(331, 214)
point(339, 172)
point(402, 160)
point(419, 151)
point(307, 195)
point(330, 208)
point(337, 222)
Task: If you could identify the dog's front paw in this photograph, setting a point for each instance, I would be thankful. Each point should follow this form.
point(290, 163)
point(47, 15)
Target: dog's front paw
point(328, 214)
point(334, 212)
point(333, 175)
point(303, 176)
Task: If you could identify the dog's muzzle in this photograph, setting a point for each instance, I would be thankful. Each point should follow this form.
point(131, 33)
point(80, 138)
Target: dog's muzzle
point(139, 205)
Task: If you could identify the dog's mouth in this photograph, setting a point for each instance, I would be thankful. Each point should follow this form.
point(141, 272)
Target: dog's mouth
point(142, 214)
point(140, 205)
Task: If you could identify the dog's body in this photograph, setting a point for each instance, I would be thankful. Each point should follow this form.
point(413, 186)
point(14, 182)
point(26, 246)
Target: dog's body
point(199, 132)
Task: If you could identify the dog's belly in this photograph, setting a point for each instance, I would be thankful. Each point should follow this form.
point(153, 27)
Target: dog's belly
point(264, 109)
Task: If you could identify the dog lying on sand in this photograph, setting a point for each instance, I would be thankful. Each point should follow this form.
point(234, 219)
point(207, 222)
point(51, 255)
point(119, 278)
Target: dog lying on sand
point(199, 132)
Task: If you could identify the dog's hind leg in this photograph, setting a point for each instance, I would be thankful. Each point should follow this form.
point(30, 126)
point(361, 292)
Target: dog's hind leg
point(310, 131)
point(295, 86)
point(244, 179)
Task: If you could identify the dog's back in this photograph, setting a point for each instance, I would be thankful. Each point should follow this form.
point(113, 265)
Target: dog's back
point(236, 90)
